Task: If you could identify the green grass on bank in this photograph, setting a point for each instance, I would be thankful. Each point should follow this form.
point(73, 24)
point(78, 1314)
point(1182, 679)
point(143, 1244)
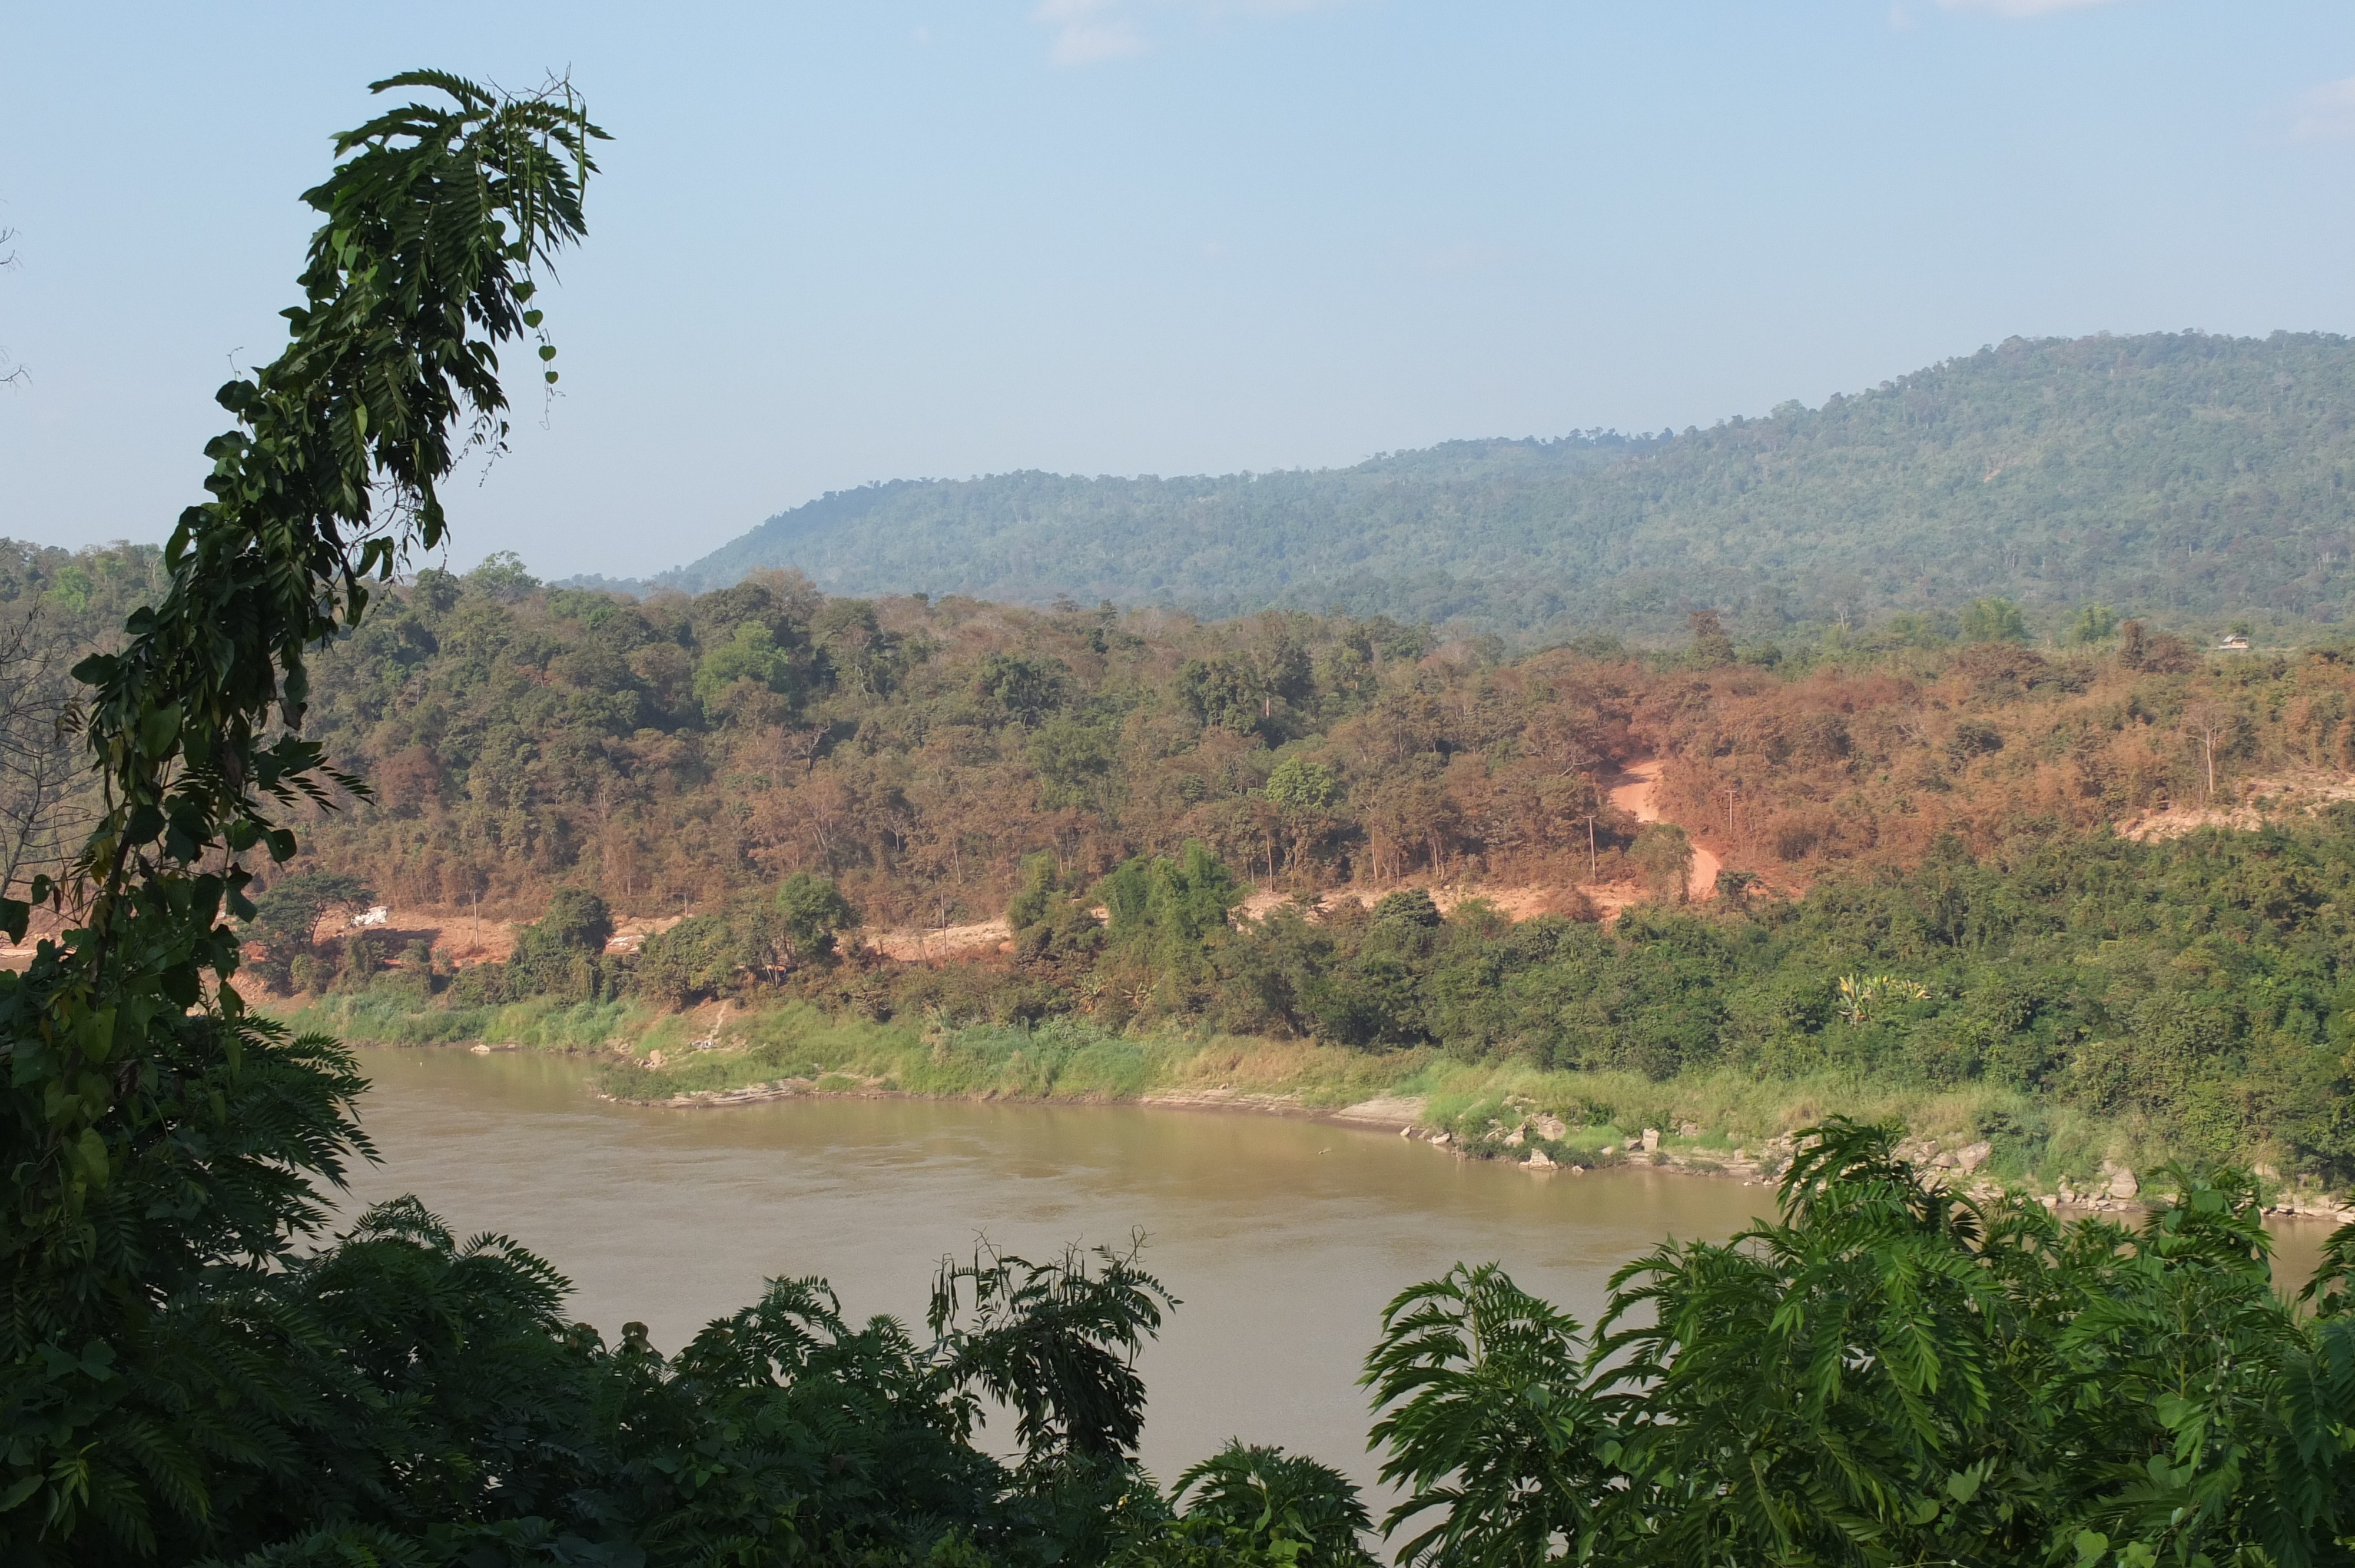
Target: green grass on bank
point(1058, 1060)
point(383, 1016)
point(652, 1055)
point(2034, 1141)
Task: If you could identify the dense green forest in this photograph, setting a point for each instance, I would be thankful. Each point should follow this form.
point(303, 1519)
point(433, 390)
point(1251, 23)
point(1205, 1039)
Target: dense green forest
point(2192, 477)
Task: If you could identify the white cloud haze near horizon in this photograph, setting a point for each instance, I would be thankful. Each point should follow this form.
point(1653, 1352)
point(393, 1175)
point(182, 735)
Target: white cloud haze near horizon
point(1088, 31)
point(2023, 8)
point(2325, 114)
point(833, 244)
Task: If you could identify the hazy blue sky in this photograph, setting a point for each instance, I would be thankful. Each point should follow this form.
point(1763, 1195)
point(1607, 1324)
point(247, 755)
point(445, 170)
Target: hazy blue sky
point(841, 242)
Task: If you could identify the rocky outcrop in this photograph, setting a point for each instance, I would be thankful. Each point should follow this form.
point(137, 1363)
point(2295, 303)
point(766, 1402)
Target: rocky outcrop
point(1402, 1111)
point(2305, 1203)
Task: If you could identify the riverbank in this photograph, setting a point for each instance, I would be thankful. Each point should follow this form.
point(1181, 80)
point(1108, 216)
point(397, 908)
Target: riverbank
point(1720, 1121)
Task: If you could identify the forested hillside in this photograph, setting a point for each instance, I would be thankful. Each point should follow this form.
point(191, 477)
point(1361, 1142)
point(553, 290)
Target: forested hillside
point(1921, 876)
point(2198, 477)
point(1921, 880)
point(522, 740)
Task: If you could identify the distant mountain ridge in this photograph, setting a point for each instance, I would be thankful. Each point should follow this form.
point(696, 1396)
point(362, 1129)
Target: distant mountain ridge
point(2185, 475)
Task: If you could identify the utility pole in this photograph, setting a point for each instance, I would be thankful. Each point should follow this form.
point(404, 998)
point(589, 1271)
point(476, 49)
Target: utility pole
point(1593, 796)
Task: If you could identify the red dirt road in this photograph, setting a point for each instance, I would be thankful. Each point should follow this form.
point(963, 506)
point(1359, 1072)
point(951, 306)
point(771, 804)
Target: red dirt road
point(1637, 793)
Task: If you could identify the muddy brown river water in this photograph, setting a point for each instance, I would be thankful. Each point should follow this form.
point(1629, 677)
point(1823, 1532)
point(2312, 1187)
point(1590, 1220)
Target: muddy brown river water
point(1283, 1237)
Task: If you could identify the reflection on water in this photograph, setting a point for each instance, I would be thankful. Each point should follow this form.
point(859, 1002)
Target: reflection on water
point(1284, 1238)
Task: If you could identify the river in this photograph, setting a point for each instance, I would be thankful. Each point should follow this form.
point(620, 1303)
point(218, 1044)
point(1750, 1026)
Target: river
point(1283, 1237)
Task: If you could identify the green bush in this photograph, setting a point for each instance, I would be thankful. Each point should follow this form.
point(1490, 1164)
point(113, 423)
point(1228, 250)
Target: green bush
point(811, 912)
point(562, 954)
point(697, 960)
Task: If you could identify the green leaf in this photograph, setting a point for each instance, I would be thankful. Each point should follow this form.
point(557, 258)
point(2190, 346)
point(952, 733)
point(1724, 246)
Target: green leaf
point(159, 730)
point(98, 1034)
point(2091, 1544)
point(533, 318)
point(96, 670)
point(2173, 1410)
point(16, 915)
point(90, 1150)
point(549, 377)
point(548, 351)
point(15, 1496)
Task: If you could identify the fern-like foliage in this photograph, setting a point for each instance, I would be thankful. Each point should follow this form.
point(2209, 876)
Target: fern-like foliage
point(1889, 1374)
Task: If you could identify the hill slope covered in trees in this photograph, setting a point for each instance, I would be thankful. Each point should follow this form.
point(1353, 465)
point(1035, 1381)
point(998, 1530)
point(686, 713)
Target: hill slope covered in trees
point(2198, 477)
point(1922, 882)
point(1923, 885)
